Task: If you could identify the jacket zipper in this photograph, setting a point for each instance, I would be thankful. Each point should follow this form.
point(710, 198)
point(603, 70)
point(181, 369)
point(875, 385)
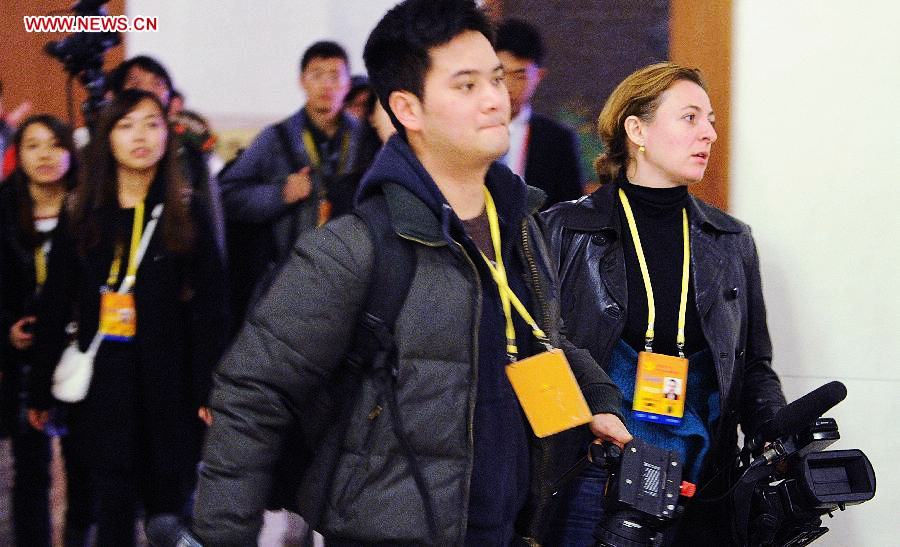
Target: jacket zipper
point(535, 277)
point(545, 445)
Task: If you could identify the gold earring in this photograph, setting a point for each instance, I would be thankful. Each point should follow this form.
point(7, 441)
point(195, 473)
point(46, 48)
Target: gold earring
point(641, 148)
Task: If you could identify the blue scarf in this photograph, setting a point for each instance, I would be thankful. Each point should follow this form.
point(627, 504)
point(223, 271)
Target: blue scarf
point(691, 439)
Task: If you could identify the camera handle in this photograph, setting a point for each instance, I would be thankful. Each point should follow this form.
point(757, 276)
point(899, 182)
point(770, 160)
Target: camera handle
point(742, 494)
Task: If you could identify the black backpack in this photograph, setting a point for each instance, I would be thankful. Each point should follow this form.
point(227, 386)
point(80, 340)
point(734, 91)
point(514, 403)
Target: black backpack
point(311, 450)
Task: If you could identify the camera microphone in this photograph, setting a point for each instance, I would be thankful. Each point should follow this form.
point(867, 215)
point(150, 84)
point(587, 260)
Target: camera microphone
point(798, 414)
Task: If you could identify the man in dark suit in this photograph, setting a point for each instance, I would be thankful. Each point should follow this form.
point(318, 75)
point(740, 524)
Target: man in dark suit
point(542, 151)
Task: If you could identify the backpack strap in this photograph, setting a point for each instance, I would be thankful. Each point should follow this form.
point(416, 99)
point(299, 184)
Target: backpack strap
point(373, 352)
point(392, 273)
point(285, 139)
point(374, 347)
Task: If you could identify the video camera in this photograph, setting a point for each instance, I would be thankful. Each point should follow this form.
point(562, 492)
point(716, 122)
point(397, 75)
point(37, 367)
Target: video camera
point(82, 56)
point(788, 482)
point(644, 493)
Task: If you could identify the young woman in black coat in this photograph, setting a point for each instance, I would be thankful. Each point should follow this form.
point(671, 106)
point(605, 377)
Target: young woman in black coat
point(30, 202)
point(650, 274)
point(140, 426)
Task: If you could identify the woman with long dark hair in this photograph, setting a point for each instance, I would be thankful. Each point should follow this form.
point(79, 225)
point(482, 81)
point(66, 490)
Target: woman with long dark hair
point(140, 425)
point(664, 290)
point(30, 202)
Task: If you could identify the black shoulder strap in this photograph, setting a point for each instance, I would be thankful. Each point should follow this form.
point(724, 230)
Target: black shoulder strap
point(371, 349)
point(285, 139)
point(392, 272)
point(374, 347)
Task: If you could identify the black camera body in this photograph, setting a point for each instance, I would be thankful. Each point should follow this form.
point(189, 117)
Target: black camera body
point(644, 493)
point(793, 482)
point(81, 55)
point(787, 481)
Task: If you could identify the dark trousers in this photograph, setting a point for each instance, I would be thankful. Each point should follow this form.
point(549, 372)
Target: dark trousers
point(31, 500)
point(122, 494)
point(580, 510)
point(80, 502)
point(31, 486)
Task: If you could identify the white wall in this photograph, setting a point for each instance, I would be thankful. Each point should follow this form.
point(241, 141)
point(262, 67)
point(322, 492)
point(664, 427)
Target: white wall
point(816, 172)
point(237, 61)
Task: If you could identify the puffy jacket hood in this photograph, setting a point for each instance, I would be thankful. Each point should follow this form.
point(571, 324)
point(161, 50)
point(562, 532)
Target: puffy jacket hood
point(397, 165)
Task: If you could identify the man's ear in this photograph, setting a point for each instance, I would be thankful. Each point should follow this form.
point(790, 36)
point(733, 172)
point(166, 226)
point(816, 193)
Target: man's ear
point(407, 108)
point(540, 74)
point(635, 130)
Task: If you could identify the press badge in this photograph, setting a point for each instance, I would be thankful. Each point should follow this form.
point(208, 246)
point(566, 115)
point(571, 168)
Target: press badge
point(660, 388)
point(118, 318)
point(548, 392)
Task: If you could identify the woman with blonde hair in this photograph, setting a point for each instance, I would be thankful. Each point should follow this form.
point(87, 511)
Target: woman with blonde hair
point(656, 283)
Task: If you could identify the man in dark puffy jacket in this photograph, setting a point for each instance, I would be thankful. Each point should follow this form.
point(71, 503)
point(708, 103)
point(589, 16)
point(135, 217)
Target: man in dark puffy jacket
point(466, 468)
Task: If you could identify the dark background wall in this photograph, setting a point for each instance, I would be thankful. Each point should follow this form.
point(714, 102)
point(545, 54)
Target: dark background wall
point(593, 44)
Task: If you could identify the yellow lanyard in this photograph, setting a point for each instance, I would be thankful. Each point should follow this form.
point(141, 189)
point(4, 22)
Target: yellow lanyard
point(131, 272)
point(508, 298)
point(40, 265)
point(313, 152)
point(685, 272)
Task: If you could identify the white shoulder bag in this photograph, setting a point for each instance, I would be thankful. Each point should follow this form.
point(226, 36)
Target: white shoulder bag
point(72, 376)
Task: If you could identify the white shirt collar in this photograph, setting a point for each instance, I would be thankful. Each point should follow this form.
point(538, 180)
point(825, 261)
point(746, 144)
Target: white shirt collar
point(518, 131)
point(521, 119)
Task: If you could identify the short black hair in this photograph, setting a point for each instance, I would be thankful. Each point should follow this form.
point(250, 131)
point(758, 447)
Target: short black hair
point(397, 52)
point(325, 49)
point(522, 39)
point(116, 80)
point(359, 84)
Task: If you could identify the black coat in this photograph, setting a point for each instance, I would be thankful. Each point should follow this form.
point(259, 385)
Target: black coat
point(156, 383)
point(17, 299)
point(553, 163)
point(585, 242)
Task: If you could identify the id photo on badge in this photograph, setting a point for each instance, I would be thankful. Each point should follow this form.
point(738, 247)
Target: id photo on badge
point(671, 388)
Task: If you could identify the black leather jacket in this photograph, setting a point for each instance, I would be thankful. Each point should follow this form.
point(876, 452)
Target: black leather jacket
point(585, 243)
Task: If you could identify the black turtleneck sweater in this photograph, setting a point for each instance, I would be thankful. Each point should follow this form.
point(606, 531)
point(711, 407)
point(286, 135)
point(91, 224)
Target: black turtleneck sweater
point(657, 213)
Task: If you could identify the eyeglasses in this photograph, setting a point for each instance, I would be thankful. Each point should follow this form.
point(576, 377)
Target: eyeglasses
point(325, 76)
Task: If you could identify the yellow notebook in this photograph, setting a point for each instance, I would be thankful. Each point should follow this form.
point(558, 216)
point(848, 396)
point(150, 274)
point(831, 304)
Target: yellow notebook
point(548, 393)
